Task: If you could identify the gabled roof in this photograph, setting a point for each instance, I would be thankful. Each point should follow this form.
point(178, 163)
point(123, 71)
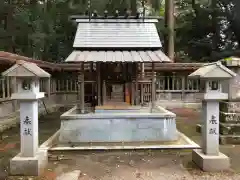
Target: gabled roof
point(117, 34)
point(25, 69)
point(117, 56)
point(213, 70)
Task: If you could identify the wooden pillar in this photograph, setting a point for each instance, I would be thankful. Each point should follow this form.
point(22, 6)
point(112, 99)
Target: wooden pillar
point(14, 90)
point(132, 84)
point(104, 92)
point(92, 85)
point(153, 86)
point(82, 90)
point(8, 87)
point(132, 93)
point(183, 87)
point(98, 83)
point(48, 87)
point(79, 79)
point(3, 87)
point(136, 86)
point(142, 77)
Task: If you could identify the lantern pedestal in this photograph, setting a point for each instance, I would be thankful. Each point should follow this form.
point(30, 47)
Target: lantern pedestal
point(29, 166)
point(210, 163)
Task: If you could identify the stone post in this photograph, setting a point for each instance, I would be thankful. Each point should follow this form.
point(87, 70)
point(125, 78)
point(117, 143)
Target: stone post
point(210, 133)
point(29, 128)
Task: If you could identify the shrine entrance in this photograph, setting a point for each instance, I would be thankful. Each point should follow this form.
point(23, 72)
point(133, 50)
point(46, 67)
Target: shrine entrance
point(117, 77)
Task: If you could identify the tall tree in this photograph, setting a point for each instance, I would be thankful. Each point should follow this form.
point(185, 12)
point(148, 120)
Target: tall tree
point(134, 6)
point(170, 25)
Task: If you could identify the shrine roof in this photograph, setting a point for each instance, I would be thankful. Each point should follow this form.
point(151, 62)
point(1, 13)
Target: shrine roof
point(118, 56)
point(117, 34)
point(8, 59)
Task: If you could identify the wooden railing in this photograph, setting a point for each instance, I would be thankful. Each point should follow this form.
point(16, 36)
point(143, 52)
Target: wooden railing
point(164, 84)
point(176, 84)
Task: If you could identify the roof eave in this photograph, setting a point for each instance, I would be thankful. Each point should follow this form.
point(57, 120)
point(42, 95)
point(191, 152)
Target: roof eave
point(74, 17)
point(117, 48)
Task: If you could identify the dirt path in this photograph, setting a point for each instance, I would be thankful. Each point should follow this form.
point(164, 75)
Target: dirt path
point(147, 165)
point(124, 165)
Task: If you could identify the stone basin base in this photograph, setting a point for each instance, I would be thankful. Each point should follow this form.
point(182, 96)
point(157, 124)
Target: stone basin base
point(133, 124)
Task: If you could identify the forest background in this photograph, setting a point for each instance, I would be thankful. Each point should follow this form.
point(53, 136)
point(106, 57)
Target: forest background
point(204, 30)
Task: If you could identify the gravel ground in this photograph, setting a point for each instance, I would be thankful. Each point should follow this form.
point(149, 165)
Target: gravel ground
point(122, 165)
point(147, 165)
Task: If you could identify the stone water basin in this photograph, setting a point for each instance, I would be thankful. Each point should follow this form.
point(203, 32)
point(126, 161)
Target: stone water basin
point(119, 125)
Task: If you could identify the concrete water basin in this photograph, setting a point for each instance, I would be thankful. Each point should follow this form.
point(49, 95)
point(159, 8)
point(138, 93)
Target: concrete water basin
point(134, 124)
point(120, 128)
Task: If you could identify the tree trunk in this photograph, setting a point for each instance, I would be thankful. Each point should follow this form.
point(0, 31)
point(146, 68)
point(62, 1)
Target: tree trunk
point(215, 26)
point(171, 29)
point(134, 6)
point(166, 27)
point(9, 27)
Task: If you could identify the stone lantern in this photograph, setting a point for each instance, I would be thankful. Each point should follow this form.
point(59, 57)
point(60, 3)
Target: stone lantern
point(212, 78)
point(27, 75)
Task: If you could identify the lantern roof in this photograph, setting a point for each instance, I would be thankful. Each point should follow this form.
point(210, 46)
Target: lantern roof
point(25, 69)
point(213, 70)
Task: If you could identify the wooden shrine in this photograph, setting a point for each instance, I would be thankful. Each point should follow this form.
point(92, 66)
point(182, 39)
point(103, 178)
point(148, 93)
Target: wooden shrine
point(116, 51)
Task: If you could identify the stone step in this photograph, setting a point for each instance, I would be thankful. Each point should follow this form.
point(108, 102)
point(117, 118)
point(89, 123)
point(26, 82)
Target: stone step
point(117, 95)
point(229, 129)
point(229, 117)
point(230, 139)
point(231, 107)
point(113, 94)
point(115, 99)
point(117, 92)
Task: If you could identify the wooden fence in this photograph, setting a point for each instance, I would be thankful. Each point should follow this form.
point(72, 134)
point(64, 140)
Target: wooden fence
point(164, 84)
